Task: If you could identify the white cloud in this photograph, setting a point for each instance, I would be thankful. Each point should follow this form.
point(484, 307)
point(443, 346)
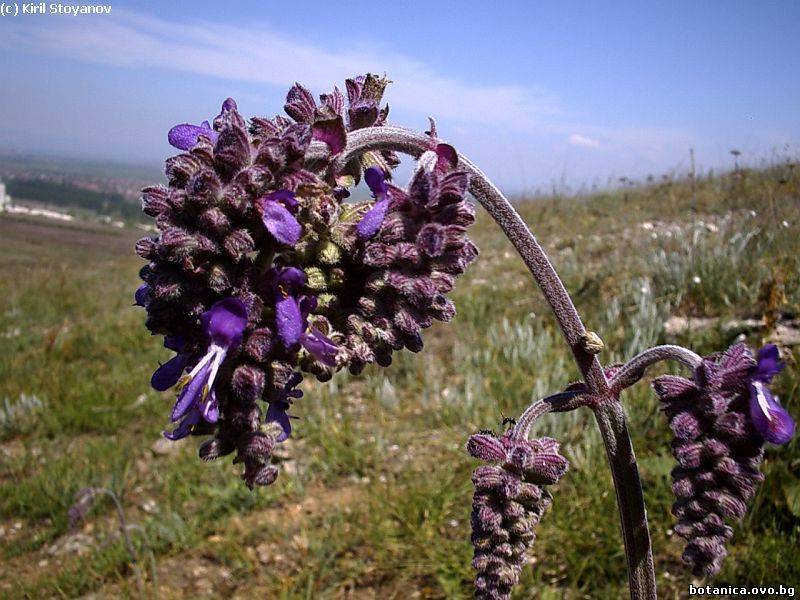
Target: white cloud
point(576, 139)
point(520, 133)
point(258, 54)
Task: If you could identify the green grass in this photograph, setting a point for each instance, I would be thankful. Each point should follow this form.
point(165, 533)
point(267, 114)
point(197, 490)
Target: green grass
point(374, 497)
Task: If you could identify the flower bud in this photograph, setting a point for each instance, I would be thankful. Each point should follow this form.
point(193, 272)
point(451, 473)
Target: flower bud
point(315, 279)
point(259, 344)
point(238, 244)
point(154, 200)
point(329, 253)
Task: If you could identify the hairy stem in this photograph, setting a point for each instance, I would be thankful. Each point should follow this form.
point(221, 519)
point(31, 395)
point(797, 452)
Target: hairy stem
point(609, 413)
point(560, 402)
point(634, 369)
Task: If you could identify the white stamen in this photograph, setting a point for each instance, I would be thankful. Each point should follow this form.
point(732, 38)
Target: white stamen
point(203, 361)
point(219, 355)
point(761, 397)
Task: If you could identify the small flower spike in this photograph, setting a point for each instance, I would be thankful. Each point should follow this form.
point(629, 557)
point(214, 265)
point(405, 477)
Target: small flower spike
point(720, 421)
point(508, 503)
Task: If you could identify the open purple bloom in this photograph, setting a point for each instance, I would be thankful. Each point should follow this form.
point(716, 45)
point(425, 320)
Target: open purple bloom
point(286, 284)
point(277, 214)
point(372, 220)
point(291, 316)
point(224, 324)
point(320, 346)
point(770, 419)
point(184, 136)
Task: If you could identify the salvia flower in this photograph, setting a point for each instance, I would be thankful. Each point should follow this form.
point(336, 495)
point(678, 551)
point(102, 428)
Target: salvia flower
point(720, 420)
point(771, 420)
point(224, 325)
point(508, 503)
point(371, 222)
point(277, 213)
point(251, 229)
point(185, 135)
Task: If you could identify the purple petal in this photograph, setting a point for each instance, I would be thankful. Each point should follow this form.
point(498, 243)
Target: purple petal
point(320, 346)
point(185, 426)
point(371, 222)
point(770, 419)
point(280, 222)
point(308, 304)
point(289, 278)
point(210, 408)
point(769, 363)
point(277, 413)
point(288, 320)
point(142, 295)
point(285, 197)
point(174, 342)
point(168, 374)
point(225, 322)
point(191, 393)
point(376, 181)
point(184, 136)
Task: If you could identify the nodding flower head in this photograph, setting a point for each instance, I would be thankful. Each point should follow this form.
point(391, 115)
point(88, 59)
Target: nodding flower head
point(720, 421)
point(260, 271)
point(508, 503)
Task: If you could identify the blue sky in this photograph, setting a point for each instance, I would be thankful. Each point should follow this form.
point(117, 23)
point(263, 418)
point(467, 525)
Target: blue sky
point(535, 92)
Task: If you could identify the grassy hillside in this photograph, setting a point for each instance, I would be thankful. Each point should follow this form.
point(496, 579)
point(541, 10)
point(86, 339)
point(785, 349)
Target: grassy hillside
point(374, 496)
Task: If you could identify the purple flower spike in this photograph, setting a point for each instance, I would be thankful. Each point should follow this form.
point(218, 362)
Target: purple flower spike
point(184, 136)
point(371, 222)
point(770, 419)
point(276, 214)
point(224, 324)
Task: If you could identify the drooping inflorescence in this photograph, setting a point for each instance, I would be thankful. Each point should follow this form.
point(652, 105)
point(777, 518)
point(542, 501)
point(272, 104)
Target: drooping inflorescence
point(720, 421)
point(261, 270)
point(508, 503)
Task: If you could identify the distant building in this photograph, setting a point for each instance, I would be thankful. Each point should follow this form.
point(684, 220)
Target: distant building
point(5, 200)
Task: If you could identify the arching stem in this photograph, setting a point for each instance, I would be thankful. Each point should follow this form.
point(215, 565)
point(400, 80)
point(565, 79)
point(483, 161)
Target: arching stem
point(608, 411)
point(632, 371)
